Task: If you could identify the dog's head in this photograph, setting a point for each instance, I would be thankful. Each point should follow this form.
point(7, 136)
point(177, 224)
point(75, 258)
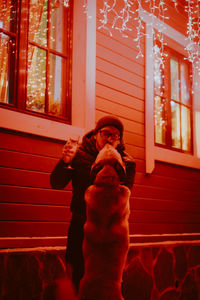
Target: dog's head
point(108, 168)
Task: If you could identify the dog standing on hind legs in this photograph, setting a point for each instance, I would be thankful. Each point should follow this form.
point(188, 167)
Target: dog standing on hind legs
point(106, 230)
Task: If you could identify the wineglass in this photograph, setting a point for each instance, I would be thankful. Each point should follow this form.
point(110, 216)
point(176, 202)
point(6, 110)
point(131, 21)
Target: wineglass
point(70, 149)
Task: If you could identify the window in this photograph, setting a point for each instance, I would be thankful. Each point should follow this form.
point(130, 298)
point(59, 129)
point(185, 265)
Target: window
point(176, 140)
point(172, 101)
point(36, 57)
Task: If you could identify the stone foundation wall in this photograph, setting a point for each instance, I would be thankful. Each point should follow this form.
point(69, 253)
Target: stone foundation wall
point(165, 272)
point(153, 272)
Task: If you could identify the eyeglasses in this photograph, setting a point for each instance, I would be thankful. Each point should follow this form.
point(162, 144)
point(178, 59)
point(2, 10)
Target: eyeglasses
point(105, 134)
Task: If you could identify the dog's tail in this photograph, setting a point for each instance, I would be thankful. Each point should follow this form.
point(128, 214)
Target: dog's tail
point(65, 289)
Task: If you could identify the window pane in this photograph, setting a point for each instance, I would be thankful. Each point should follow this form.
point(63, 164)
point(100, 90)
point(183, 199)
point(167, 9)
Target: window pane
point(38, 21)
point(8, 15)
point(7, 67)
point(160, 122)
point(175, 123)
point(59, 25)
point(185, 90)
point(174, 79)
point(186, 128)
point(36, 83)
point(58, 90)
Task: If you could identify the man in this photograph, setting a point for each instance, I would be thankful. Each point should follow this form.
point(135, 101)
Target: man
point(108, 130)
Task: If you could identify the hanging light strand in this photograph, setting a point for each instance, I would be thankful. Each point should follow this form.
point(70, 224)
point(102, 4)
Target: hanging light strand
point(140, 30)
point(125, 15)
point(66, 3)
point(120, 20)
point(158, 12)
point(175, 3)
point(193, 38)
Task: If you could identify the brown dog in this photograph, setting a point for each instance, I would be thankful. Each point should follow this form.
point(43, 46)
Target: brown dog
point(106, 231)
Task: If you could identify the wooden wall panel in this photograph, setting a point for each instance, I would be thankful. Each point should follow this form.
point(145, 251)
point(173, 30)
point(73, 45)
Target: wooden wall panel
point(150, 204)
point(174, 183)
point(116, 96)
point(163, 229)
point(32, 229)
point(120, 109)
point(32, 144)
point(134, 139)
point(29, 207)
point(178, 171)
point(120, 72)
point(159, 217)
point(109, 48)
point(136, 152)
point(10, 158)
point(32, 212)
point(119, 84)
point(24, 178)
point(157, 192)
point(24, 194)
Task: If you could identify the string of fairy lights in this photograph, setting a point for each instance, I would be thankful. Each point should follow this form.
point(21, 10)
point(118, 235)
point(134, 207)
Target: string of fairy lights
point(129, 13)
point(130, 10)
point(123, 15)
point(193, 35)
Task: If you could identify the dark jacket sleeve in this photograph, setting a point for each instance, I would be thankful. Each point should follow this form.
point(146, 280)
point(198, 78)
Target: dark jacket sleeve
point(61, 175)
point(130, 171)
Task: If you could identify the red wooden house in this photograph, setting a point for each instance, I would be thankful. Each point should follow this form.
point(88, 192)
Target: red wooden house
point(61, 70)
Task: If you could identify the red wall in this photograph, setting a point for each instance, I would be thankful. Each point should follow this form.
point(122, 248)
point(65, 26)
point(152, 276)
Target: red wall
point(167, 201)
point(28, 206)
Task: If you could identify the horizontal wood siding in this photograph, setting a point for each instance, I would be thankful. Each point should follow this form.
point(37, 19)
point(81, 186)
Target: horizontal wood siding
point(165, 202)
point(29, 207)
point(168, 200)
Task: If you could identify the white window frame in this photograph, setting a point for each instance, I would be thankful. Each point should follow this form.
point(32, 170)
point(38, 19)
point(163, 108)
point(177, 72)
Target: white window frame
point(83, 84)
point(178, 42)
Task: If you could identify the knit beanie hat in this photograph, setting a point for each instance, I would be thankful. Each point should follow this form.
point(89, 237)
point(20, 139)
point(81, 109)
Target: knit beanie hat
point(110, 121)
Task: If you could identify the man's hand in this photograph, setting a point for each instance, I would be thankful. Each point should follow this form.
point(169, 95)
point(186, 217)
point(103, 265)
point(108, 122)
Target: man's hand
point(69, 150)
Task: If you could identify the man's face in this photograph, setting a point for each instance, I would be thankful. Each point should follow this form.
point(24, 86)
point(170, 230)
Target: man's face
point(107, 134)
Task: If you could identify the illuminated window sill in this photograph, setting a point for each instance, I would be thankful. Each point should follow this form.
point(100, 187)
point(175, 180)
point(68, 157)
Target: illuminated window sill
point(21, 122)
